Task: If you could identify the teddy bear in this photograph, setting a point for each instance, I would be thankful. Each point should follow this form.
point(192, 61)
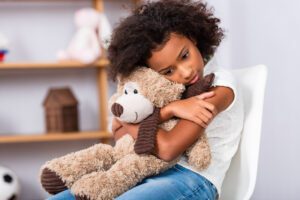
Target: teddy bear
point(85, 44)
point(133, 107)
point(103, 171)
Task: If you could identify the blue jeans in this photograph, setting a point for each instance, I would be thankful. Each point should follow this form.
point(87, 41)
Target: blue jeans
point(175, 183)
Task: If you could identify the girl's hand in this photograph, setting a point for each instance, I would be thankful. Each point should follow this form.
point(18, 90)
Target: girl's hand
point(116, 125)
point(131, 129)
point(117, 129)
point(195, 109)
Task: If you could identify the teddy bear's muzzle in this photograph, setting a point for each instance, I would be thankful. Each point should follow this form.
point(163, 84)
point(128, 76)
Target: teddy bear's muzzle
point(117, 109)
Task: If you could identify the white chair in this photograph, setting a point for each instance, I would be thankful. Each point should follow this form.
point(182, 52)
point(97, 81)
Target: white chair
point(240, 179)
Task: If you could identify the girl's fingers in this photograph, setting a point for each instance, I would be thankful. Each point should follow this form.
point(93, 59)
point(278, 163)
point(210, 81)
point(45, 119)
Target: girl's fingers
point(198, 121)
point(207, 105)
point(205, 95)
point(204, 118)
point(116, 125)
point(203, 125)
point(206, 113)
point(202, 121)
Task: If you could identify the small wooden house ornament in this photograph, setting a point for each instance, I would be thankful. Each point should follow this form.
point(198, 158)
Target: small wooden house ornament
point(61, 110)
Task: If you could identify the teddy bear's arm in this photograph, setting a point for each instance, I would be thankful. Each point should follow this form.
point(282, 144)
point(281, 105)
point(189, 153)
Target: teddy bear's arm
point(145, 143)
point(200, 86)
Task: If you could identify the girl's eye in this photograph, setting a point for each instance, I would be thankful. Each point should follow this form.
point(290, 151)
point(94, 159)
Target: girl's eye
point(168, 72)
point(135, 91)
point(185, 55)
point(126, 92)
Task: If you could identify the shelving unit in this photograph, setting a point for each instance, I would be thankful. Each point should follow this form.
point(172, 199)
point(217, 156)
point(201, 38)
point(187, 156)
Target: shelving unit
point(100, 65)
point(104, 136)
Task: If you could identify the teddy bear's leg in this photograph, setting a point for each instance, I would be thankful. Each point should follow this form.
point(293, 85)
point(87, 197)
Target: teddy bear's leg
point(122, 176)
point(199, 155)
point(60, 173)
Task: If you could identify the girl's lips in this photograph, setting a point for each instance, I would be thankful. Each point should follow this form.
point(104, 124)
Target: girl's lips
point(194, 80)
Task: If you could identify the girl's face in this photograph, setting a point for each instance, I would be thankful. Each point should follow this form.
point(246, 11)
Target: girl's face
point(179, 60)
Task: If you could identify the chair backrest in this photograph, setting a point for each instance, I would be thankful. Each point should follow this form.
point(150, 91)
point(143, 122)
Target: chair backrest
point(240, 179)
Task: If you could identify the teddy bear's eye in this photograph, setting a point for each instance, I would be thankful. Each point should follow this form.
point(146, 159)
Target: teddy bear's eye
point(135, 91)
point(126, 92)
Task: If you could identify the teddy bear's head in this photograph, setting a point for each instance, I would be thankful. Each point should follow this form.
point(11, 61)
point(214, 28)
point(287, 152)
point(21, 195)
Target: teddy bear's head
point(142, 91)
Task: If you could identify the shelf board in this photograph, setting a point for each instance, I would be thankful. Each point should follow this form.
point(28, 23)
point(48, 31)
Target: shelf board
point(102, 63)
point(48, 137)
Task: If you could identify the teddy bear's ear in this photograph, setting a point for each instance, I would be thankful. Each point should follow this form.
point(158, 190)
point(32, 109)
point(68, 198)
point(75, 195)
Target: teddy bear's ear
point(168, 92)
point(159, 90)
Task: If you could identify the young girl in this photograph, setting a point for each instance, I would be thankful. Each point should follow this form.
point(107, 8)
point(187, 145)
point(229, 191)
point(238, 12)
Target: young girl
point(177, 39)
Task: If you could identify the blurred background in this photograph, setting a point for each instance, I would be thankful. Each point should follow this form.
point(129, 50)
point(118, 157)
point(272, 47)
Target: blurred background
point(257, 32)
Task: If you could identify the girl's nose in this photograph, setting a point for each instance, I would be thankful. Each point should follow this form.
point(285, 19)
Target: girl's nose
point(186, 72)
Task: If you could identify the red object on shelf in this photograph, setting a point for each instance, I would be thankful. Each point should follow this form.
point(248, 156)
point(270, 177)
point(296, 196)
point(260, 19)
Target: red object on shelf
point(2, 55)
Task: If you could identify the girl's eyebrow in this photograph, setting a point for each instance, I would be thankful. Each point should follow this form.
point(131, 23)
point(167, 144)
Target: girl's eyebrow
point(176, 59)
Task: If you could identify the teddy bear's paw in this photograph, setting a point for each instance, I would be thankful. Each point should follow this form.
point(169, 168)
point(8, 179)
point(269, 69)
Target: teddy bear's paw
point(199, 156)
point(200, 163)
point(51, 182)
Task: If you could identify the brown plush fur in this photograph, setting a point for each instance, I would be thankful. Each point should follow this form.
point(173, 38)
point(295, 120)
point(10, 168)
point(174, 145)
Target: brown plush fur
point(73, 166)
point(159, 90)
point(123, 175)
point(102, 172)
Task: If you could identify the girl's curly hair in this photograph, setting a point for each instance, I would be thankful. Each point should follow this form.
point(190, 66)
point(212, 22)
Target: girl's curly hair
point(150, 25)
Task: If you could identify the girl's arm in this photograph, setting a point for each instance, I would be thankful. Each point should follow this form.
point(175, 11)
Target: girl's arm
point(185, 133)
point(195, 113)
point(173, 143)
point(168, 112)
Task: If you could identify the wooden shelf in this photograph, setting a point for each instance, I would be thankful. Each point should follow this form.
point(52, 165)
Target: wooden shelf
point(102, 63)
point(48, 137)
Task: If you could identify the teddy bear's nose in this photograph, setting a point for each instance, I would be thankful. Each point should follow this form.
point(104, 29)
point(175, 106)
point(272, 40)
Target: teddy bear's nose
point(117, 109)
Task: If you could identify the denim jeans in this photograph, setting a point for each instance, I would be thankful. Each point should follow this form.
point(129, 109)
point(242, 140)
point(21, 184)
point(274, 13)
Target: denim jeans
point(176, 183)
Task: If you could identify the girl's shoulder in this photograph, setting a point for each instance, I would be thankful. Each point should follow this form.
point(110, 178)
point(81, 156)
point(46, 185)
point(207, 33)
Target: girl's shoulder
point(225, 78)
